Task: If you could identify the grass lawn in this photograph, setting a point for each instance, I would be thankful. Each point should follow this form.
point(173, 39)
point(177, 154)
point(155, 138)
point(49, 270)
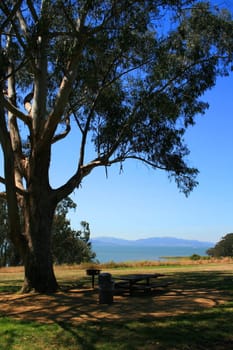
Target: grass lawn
point(194, 313)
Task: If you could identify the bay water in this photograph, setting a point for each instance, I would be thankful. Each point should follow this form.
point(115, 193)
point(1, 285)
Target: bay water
point(120, 253)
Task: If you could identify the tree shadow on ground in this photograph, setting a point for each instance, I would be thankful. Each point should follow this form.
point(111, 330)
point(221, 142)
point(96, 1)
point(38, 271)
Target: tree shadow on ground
point(194, 312)
point(189, 291)
point(197, 332)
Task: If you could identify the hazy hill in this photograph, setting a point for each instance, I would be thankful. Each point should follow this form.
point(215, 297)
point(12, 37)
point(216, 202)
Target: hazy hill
point(153, 241)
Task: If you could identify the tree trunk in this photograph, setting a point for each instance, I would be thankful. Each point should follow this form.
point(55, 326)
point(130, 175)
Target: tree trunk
point(39, 274)
point(38, 262)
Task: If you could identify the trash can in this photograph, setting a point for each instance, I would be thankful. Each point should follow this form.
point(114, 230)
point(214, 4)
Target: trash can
point(106, 288)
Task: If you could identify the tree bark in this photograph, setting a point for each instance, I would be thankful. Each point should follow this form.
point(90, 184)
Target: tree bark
point(38, 262)
point(39, 274)
point(38, 210)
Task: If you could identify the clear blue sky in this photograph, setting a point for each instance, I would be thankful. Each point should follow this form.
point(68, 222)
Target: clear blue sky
point(142, 202)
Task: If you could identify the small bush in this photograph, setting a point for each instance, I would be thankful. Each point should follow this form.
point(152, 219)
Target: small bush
point(195, 257)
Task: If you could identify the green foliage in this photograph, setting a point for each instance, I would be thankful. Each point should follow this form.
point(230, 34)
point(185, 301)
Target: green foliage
point(8, 254)
point(195, 257)
point(223, 248)
point(70, 246)
point(3, 234)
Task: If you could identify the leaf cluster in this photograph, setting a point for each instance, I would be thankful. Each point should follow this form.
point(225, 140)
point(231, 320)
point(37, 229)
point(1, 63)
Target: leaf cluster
point(70, 246)
point(224, 248)
point(138, 68)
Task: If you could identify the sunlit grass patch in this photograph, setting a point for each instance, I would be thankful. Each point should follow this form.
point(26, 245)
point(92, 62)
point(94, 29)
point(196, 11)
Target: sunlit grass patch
point(22, 335)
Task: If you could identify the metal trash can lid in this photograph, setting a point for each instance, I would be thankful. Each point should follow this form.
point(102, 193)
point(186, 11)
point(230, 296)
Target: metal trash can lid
point(105, 276)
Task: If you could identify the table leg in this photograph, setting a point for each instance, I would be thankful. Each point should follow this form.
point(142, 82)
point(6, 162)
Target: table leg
point(93, 281)
point(130, 287)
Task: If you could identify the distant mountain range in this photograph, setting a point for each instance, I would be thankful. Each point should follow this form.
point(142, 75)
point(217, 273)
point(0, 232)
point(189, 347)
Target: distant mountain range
point(153, 241)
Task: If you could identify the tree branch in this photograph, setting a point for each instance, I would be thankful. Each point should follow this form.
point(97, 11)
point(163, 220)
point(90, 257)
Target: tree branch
point(32, 10)
point(9, 14)
point(18, 190)
point(76, 119)
point(62, 96)
point(10, 107)
point(74, 181)
point(23, 25)
point(85, 131)
point(147, 162)
point(2, 180)
point(64, 133)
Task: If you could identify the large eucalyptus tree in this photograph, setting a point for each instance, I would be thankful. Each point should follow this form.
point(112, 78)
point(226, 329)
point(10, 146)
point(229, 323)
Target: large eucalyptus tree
point(128, 75)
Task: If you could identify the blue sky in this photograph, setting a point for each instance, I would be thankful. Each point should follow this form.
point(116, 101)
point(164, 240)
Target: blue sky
point(142, 202)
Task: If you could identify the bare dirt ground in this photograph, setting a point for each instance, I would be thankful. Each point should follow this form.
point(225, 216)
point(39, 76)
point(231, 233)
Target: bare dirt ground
point(79, 305)
point(83, 305)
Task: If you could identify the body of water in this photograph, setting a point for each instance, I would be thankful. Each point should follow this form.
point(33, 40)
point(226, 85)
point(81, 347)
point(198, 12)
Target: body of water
point(119, 253)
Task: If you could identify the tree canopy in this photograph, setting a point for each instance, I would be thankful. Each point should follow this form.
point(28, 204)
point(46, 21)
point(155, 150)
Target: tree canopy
point(223, 248)
point(126, 76)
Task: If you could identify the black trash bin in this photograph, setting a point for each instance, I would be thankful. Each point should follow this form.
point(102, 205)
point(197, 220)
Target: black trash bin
point(106, 288)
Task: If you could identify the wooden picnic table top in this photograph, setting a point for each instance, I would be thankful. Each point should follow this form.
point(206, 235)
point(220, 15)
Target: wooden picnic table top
point(134, 278)
point(130, 282)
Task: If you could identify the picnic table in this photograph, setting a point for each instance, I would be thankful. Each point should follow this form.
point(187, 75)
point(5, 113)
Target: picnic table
point(133, 282)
